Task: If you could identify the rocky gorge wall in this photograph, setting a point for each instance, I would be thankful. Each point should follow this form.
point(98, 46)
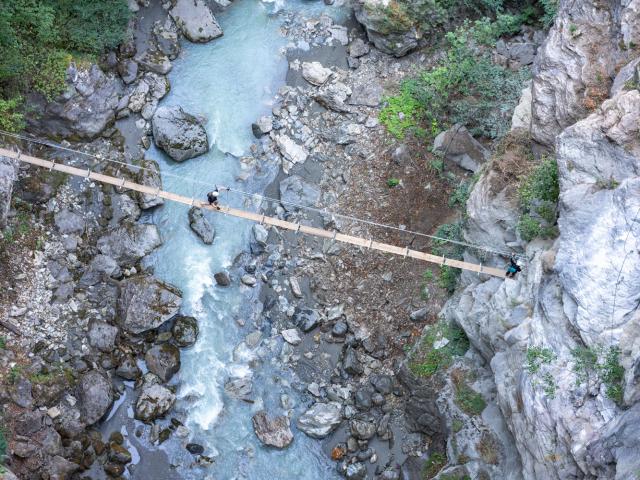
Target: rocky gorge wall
point(579, 291)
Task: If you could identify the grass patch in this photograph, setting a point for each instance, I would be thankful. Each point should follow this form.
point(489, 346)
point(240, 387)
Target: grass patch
point(393, 182)
point(3, 343)
point(469, 401)
point(488, 449)
point(537, 361)
point(433, 465)
point(426, 360)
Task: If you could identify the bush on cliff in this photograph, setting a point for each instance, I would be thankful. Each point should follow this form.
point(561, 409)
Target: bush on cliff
point(39, 39)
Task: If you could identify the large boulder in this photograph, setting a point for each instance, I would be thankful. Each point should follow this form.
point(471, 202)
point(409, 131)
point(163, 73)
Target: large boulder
point(149, 175)
point(292, 152)
point(95, 395)
point(83, 111)
point(458, 146)
point(315, 73)
point(129, 243)
point(196, 21)
point(101, 268)
point(163, 360)
point(321, 419)
point(575, 66)
point(8, 175)
point(201, 226)
point(394, 38)
point(146, 302)
point(180, 134)
point(296, 192)
point(154, 401)
point(273, 432)
point(69, 223)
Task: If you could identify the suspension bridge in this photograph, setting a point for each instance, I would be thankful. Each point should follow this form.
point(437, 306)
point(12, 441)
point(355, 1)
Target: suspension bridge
point(333, 235)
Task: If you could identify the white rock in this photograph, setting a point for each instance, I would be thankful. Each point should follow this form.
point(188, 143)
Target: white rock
point(292, 336)
point(195, 20)
point(315, 73)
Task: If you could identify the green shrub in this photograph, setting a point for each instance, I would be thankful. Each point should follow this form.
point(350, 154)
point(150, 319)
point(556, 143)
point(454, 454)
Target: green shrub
point(437, 164)
point(538, 356)
point(393, 182)
point(3, 444)
point(461, 194)
point(541, 184)
point(10, 117)
point(448, 279)
point(465, 87)
point(603, 365)
point(529, 228)
point(427, 360)
point(3, 343)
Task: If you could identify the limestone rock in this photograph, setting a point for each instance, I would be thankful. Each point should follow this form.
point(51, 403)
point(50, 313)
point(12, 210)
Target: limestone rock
point(274, 432)
point(196, 21)
point(8, 174)
point(69, 223)
point(458, 146)
point(146, 302)
point(321, 419)
point(291, 151)
point(180, 134)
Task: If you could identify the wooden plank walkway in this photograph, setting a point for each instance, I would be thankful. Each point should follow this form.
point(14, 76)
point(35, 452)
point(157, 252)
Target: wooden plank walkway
point(256, 217)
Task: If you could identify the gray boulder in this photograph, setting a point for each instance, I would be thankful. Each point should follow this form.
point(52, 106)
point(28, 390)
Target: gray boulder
point(292, 152)
point(8, 175)
point(321, 419)
point(128, 368)
point(146, 302)
point(129, 243)
point(369, 94)
point(273, 432)
point(100, 268)
point(315, 73)
point(201, 226)
point(102, 335)
point(180, 134)
point(163, 360)
point(374, 17)
point(185, 331)
point(295, 190)
point(196, 21)
point(358, 48)
point(69, 223)
point(87, 107)
point(128, 70)
point(149, 175)
point(363, 428)
point(459, 146)
point(154, 401)
point(95, 395)
point(263, 126)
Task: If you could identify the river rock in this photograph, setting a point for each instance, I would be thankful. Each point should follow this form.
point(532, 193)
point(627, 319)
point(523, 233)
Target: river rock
point(315, 73)
point(163, 360)
point(95, 395)
point(274, 432)
point(84, 111)
point(201, 226)
point(358, 48)
point(356, 471)
point(222, 278)
point(69, 223)
point(369, 94)
point(362, 427)
point(292, 336)
point(154, 401)
point(239, 387)
point(154, 61)
point(295, 192)
point(263, 126)
point(260, 234)
point(291, 151)
point(128, 368)
point(146, 302)
point(119, 454)
point(185, 331)
point(321, 419)
point(350, 362)
point(102, 335)
point(458, 146)
point(196, 21)
point(180, 134)
point(306, 319)
point(129, 243)
point(149, 175)
point(59, 467)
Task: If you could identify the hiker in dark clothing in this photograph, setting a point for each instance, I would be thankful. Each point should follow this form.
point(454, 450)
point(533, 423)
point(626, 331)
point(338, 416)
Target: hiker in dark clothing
point(212, 198)
point(513, 268)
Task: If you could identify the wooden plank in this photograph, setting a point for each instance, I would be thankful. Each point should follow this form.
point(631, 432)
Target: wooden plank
point(255, 217)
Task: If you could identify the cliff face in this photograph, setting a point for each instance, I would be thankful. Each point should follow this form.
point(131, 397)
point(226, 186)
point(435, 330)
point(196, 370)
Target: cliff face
point(579, 293)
